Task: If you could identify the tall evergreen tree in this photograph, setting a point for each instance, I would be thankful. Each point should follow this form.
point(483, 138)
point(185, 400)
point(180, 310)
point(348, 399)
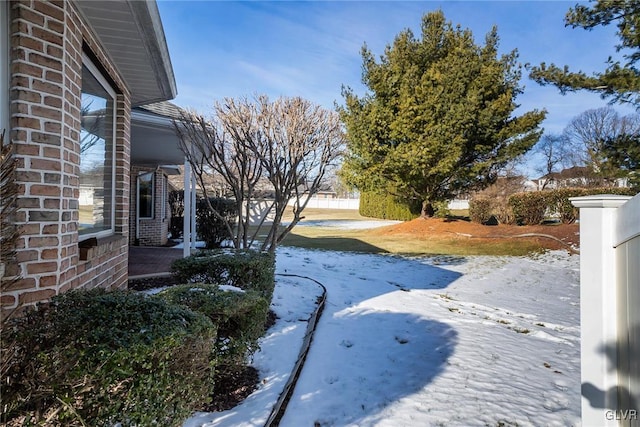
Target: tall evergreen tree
point(619, 81)
point(438, 119)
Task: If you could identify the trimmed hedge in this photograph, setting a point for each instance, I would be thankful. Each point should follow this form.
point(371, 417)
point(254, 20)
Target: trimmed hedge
point(374, 205)
point(101, 358)
point(244, 269)
point(531, 208)
point(240, 317)
point(210, 228)
point(480, 210)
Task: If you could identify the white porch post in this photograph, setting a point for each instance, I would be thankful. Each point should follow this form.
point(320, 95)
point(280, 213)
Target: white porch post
point(194, 234)
point(186, 224)
point(598, 329)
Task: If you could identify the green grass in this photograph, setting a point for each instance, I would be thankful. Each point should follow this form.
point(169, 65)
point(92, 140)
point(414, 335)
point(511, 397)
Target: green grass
point(369, 241)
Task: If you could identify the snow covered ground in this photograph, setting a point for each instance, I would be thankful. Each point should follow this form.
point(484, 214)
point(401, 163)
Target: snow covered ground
point(428, 341)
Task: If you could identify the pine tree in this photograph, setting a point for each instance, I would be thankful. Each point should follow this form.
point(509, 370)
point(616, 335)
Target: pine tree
point(620, 81)
point(438, 119)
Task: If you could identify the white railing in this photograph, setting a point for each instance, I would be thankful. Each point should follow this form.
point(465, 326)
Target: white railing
point(610, 309)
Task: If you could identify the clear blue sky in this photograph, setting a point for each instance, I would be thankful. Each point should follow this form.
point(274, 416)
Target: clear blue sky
point(312, 48)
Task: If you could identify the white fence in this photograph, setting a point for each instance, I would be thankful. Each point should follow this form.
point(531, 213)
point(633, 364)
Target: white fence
point(610, 309)
point(354, 204)
point(327, 203)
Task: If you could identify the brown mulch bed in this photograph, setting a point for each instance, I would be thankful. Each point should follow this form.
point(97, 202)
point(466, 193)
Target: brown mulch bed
point(568, 234)
point(233, 384)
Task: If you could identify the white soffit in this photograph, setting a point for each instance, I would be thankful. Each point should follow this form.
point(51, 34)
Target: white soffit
point(132, 33)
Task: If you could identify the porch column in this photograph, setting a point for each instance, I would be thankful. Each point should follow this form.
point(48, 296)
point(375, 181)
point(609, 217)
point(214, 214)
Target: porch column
point(194, 234)
point(598, 308)
point(186, 224)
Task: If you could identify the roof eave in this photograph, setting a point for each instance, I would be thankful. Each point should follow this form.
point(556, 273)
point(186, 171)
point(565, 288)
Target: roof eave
point(148, 73)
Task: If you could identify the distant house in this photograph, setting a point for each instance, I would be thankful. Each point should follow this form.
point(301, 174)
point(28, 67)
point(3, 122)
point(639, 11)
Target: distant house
point(76, 79)
point(576, 176)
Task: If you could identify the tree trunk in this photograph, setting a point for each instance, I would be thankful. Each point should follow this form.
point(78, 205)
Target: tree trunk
point(427, 210)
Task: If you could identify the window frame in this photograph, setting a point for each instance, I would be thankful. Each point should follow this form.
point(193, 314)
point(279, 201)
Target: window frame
point(163, 208)
point(99, 76)
point(153, 194)
point(4, 68)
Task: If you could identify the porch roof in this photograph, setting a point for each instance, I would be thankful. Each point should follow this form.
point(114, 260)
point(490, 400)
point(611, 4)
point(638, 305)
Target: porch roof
point(153, 137)
point(132, 33)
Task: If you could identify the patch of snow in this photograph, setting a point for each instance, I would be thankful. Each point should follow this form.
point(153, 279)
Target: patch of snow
point(230, 288)
point(455, 341)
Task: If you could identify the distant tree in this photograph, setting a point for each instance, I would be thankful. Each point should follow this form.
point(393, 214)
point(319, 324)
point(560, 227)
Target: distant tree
point(623, 154)
point(289, 143)
point(592, 130)
point(619, 81)
point(438, 120)
point(557, 152)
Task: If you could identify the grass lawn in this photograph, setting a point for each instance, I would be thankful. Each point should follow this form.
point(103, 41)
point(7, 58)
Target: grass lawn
point(373, 241)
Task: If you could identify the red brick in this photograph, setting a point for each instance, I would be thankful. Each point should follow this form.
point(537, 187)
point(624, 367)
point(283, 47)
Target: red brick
point(37, 296)
point(46, 165)
point(27, 283)
point(50, 229)
point(26, 69)
point(42, 267)
point(7, 300)
point(28, 122)
point(44, 190)
point(46, 35)
point(23, 256)
point(43, 242)
point(48, 281)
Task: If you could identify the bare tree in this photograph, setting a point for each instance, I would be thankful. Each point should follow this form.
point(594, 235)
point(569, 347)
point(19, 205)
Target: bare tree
point(302, 142)
point(589, 132)
point(8, 229)
point(217, 146)
point(289, 142)
point(556, 151)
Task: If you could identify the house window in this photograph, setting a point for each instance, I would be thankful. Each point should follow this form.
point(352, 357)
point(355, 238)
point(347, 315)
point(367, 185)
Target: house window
point(97, 161)
point(145, 195)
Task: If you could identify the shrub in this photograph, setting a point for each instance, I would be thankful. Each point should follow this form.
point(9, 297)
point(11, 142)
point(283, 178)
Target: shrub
point(374, 205)
point(480, 210)
point(176, 203)
point(211, 228)
point(245, 269)
point(560, 204)
point(101, 358)
point(240, 317)
point(529, 208)
point(441, 209)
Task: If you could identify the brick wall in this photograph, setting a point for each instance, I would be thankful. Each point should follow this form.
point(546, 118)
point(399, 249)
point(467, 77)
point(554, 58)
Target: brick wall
point(46, 64)
point(154, 231)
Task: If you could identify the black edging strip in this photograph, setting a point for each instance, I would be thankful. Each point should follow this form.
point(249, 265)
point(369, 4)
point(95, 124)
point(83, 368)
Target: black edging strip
point(281, 404)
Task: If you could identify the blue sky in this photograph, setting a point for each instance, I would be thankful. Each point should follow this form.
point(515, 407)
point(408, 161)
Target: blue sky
point(312, 48)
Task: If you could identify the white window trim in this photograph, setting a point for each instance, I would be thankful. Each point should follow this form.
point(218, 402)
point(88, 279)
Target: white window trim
point(97, 74)
point(163, 198)
point(153, 194)
point(4, 68)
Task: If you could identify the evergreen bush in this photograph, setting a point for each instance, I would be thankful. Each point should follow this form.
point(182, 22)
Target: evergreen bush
point(212, 229)
point(240, 317)
point(386, 206)
point(480, 210)
point(243, 268)
point(100, 358)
